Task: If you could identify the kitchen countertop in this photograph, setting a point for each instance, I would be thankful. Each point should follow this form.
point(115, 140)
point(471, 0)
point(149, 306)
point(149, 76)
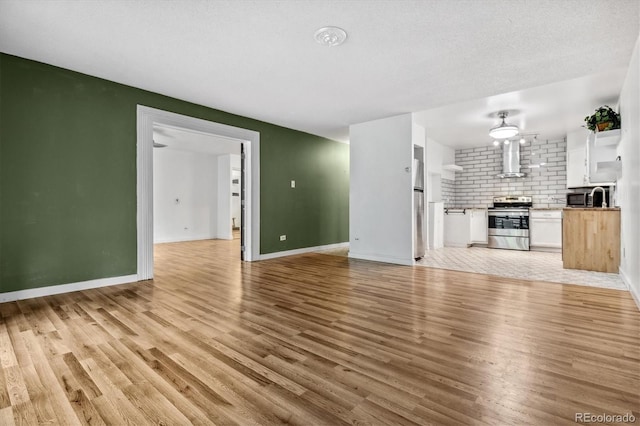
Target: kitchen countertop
point(593, 209)
point(546, 208)
point(465, 208)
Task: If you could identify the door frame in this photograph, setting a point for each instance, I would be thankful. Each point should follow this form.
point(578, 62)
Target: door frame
point(145, 119)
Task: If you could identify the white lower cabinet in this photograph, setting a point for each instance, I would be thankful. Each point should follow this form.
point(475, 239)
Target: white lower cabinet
point(456, 228)
point(478, 219)
point(463, 227)
point(545, 229)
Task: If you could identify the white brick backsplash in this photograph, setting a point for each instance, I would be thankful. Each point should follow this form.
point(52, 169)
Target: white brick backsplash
point(477, 184)
point(562, 187)
point(448, 192)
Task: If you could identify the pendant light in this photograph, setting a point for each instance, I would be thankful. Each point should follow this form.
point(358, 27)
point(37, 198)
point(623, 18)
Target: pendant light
point(504, 130)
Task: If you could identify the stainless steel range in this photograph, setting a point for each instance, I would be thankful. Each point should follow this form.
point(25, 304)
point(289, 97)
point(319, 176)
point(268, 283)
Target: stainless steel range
point(509, 223)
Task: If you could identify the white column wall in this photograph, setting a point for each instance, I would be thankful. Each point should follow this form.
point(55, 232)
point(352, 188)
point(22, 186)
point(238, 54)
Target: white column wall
point(381, 191)
point(628, 189)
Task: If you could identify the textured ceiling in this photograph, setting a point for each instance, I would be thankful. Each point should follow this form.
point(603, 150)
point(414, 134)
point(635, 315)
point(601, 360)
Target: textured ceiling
point(259, 58)
point(549, 111)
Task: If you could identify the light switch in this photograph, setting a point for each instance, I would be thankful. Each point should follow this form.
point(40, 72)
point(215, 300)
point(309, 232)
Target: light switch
point(293, 183)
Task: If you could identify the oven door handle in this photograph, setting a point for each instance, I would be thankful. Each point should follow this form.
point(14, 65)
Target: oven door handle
point(508, 214)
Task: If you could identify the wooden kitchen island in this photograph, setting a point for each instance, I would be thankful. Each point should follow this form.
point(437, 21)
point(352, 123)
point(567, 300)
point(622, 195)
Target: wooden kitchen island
point(591, 239)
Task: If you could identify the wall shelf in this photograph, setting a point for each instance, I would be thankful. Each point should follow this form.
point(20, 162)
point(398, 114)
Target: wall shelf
point(452, 167)
point(609, 137)
point(609, 165)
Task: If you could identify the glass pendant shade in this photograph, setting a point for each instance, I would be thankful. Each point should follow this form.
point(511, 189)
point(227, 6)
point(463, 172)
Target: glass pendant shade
point(504, 130)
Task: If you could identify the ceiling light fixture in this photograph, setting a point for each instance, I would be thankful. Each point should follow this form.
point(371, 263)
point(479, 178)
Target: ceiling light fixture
point(522, 141)
point(506, 142)
point(496, 143)
point(503, 130)
point(330, 36)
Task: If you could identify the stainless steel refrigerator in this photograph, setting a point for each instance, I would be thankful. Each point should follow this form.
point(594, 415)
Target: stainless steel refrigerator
point(418, 205)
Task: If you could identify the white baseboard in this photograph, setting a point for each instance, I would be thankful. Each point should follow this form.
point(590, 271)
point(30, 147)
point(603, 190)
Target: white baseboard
point(383, 259)
point(627, 281)
point(302, 250)
point(65, 288)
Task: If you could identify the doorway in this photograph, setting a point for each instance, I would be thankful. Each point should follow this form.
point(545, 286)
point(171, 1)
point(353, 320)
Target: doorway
point(196, 185)
point(147, 118)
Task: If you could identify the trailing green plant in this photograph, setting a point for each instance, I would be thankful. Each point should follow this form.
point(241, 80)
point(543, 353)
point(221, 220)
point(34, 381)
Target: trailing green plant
point(605, 118)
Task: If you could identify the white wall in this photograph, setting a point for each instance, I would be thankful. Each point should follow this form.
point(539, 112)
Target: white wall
point(438, 155)
point(434, 158)
point(381, 191)
point(184, 195)
point(628, 189)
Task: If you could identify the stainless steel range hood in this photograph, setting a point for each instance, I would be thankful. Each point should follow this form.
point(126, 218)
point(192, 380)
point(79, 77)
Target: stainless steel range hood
point(511, 161)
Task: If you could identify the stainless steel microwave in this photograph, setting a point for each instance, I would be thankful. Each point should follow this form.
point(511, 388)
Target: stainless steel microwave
point(583, 199)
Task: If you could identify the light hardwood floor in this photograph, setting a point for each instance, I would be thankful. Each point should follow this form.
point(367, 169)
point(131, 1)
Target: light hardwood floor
point(317, 339)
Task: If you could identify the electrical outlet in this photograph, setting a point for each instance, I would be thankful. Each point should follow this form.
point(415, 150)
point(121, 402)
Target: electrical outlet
point(293, 183)
point(283, 237)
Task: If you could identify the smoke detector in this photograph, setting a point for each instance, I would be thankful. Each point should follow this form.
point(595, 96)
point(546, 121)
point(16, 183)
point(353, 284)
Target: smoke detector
point(330, 36)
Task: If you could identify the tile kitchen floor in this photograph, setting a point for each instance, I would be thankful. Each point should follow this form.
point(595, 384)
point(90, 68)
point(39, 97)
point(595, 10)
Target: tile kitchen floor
point(530, 265)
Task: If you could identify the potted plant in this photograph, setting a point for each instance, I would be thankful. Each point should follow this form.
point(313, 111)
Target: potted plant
point(605, 118)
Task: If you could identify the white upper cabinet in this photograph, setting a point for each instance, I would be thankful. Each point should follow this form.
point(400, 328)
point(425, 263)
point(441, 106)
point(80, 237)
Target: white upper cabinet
point(577, 158)
point(601, 147)
point(576, 167)
point(584, 151)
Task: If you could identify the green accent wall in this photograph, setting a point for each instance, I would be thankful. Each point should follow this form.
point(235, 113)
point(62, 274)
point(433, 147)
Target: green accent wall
point(68, 177)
